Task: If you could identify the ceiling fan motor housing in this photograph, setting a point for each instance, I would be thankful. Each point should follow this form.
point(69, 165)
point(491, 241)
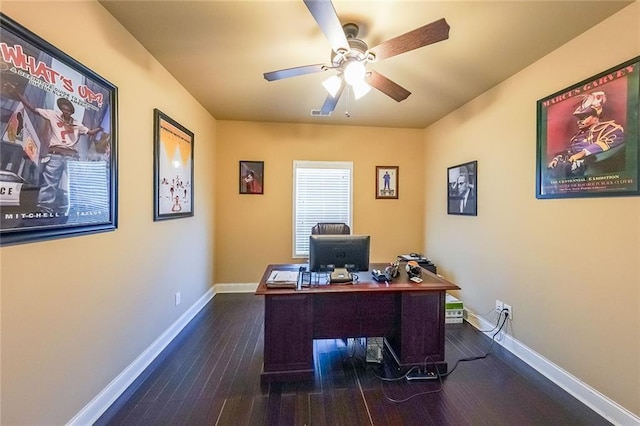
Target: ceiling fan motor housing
point(358, 51)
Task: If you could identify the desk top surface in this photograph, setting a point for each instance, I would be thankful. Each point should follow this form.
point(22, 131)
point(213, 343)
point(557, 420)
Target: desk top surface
point(431, 282)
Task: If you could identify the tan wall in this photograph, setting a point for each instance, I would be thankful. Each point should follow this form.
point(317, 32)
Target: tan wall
point(67, 331)
point(571, 267)
point(255, 230)
point(77, 311)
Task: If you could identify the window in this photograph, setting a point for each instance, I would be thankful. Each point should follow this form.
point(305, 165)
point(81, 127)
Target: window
point(321, 193)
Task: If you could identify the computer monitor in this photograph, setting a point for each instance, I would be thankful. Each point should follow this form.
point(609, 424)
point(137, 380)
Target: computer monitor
point(339, 251)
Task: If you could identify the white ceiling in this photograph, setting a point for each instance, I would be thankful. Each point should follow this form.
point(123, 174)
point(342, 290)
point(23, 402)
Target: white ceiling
point(219, 50)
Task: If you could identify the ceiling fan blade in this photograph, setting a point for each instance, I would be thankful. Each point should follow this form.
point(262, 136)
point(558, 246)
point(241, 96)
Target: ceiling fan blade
point(420, 37)
point(294, 72)
point(325, 15)
point(331, 101)
point(386, 86)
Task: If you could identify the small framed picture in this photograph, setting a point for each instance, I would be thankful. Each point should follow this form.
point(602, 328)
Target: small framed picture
point(173, 168)
point(462, 189)
point(387, 182)
point(251, 177)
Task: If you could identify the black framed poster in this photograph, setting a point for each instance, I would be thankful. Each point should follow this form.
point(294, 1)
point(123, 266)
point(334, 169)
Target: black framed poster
point(462, 189)
point(587, 137)
point(57, 142)
point(173, 168)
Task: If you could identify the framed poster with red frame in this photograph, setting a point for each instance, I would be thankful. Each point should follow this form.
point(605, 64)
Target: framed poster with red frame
point(587, 137)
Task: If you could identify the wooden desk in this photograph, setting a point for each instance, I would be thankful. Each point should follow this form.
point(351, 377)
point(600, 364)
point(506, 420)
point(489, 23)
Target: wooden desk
point(410, 316)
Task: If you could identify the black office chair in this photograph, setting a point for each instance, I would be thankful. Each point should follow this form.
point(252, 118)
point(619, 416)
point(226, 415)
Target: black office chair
point(331, 228)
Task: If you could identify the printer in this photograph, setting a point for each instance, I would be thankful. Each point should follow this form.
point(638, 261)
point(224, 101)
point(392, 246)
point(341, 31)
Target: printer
point(422, 261)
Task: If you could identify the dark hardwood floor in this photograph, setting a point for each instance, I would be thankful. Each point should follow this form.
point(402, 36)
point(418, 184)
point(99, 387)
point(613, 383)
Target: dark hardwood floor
point(210, 375)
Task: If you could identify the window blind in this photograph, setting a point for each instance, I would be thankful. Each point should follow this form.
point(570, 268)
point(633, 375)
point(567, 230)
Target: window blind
point(321, 193)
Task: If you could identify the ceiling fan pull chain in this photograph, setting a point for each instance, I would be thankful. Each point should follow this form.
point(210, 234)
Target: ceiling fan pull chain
point(346, 108)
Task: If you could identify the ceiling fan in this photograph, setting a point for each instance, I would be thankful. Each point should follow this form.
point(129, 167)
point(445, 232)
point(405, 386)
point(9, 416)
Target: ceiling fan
point(350, 55)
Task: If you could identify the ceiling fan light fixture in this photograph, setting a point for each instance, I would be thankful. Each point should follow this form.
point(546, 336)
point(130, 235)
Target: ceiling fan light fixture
point(332, 84)
point(360, 89)
point(354, 72)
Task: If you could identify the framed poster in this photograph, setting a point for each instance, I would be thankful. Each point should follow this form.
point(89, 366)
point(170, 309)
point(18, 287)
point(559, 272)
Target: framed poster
point(251, 177)
point(387, 185)
point(58, 153)
point(172, 168)
point(587, 137)
point(462, 189)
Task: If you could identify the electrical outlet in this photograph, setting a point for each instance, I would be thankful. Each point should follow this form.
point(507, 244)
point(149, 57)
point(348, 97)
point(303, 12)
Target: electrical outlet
point(177, 298)
point(499, 306)
point(507, 308)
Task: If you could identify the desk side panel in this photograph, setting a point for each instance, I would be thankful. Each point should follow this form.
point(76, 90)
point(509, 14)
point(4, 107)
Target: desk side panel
point(421, 336)
point(288, 340)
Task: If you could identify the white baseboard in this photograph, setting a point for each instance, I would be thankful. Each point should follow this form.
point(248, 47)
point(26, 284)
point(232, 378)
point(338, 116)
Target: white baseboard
point(598, 402)
point(94, 409)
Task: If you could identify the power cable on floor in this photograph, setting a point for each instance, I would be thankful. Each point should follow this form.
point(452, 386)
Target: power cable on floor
point(439, 376)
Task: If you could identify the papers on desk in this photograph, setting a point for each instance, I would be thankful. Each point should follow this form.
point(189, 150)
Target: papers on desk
point(283, 279)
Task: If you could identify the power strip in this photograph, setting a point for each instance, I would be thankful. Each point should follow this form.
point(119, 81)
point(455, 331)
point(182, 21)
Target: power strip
point(420, 375)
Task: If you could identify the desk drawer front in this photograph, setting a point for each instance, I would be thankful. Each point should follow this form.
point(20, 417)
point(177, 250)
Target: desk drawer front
point(355, 315)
